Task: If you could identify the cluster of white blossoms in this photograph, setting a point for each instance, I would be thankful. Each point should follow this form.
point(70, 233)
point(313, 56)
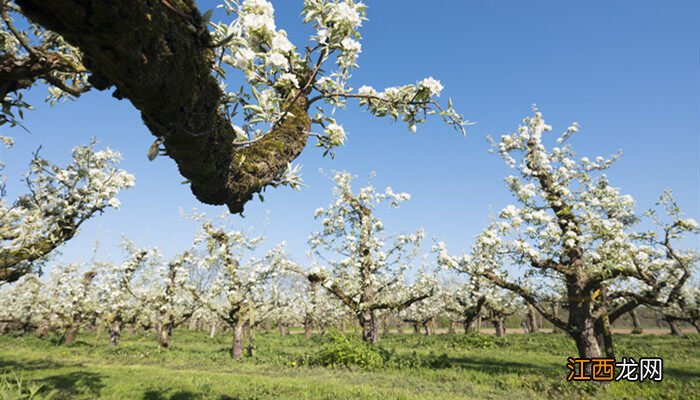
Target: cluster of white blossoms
point(360, 256)
point(31, 42)
point(569, 221)
point(60, 199)
point(276, 72)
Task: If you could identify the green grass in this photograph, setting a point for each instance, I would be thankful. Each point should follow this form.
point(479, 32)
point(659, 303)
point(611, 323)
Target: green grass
point(415, 367)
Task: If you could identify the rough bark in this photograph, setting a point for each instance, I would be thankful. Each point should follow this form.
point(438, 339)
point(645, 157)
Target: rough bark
point(161, 60)
point(604, 336)
point(583, 331)
point(369, 326)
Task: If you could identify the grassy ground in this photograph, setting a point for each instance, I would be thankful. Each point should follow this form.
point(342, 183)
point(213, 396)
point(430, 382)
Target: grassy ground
point(416, 367)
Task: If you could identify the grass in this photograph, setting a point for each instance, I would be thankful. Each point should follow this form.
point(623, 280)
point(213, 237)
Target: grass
point(414, 367)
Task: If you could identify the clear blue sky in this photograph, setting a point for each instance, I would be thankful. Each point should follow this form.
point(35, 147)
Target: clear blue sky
point(627, 71)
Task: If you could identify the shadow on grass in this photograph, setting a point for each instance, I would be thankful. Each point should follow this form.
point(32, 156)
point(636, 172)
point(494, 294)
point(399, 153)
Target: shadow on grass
point(490, 366)
point(683, 374)
point(74, 384)
point(166, 395)
point(31, 365)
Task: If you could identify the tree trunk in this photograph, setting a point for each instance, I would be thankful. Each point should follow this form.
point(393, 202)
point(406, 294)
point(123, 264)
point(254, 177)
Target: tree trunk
point(555, 313)
point(636, 326)
point(675, 331)
point(531, 319)
point(604, 336)
point(164, 334)
point(369, 326)
point(583, 332)
point(283, 329)
point(416, 328)
point(500, 326)
point(451, 328)
point(427, 329)
point(115, 332)
point(212, 330)
point(308, 327)
point(71, 333)
point(237, 345)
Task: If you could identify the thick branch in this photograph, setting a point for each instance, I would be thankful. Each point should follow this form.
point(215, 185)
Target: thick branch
point(162, 63)
point(527, 296)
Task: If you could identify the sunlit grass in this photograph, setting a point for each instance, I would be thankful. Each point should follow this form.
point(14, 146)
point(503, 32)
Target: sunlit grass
point(417, 367)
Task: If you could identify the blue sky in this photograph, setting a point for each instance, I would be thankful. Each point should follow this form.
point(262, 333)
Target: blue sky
point(626, 71)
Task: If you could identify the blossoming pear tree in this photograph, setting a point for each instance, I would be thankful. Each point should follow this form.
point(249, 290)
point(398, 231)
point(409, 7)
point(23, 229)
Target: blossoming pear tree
point(237, 277)
point(162, 289)
point(366, 267)
point(69, 300)
point(115, 286)
point(58, 201)
point(664, 269)
point(176, 66)
point(33, 54)
point(465, 302)
point(499, 305)
point(423, 313)
point(570, 229)
point(20, 307)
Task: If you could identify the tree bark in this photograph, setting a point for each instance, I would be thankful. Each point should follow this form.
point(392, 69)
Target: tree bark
point(531, 319)
point(212, 330)
point(675, 330)
point(451, 327)
point(604, 335)
point(416, 328)
point(164, 334)
point(555, 313)
point(428, 326)
point(237, 344)
point(636, 326)
point(71, 333)
point(161, 60)
point(308, 327)
point(500, 327)
point(369, 326)
point(115, 332)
